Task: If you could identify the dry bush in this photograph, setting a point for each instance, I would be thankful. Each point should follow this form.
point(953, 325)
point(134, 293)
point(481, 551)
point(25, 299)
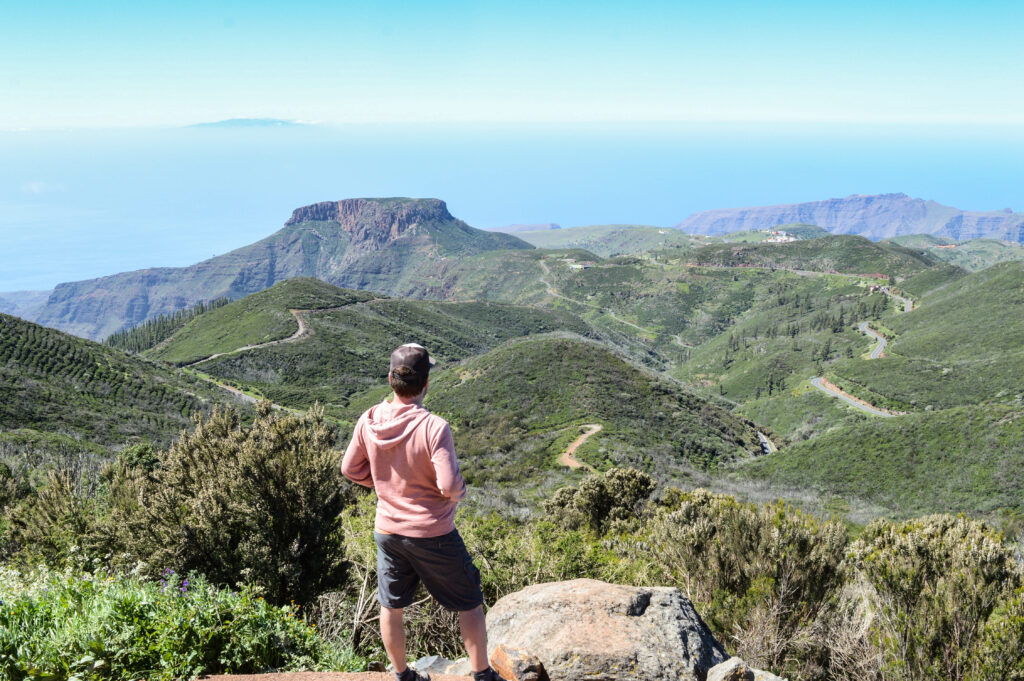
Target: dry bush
point(762, 576)
point(935, 581)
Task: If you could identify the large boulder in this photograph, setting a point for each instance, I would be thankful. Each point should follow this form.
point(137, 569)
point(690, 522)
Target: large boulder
point(587, 630)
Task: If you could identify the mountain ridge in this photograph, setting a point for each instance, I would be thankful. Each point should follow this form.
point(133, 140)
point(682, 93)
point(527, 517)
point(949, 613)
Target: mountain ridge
point(875, 216)
point(368, 244)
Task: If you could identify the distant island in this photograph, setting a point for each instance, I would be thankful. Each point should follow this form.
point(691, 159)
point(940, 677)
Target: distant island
point(250, 123)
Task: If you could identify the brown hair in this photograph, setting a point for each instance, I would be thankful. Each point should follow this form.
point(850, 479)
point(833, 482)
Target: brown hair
point(406, 382)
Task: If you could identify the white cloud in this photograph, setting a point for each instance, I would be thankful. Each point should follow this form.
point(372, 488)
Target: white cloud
point(38, 188)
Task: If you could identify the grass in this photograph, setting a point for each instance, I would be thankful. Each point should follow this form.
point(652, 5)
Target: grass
point(973, 255)
point(510, 407)
point(81, 625)
point(259, 318)
point(349, 348)
point(611, 240)
point(960, 346)
point(832, 253)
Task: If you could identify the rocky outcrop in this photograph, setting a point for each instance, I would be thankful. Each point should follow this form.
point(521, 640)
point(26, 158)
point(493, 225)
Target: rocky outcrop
point(878, 216)
point(585, 629)
point(733, 669)
point(374, 220)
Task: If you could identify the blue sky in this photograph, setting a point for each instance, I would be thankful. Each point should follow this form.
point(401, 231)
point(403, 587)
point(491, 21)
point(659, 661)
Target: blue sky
point(113, 64)
point(569, 112)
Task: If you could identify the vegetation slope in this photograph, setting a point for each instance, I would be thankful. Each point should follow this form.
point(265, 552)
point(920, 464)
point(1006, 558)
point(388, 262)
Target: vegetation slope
point(516, 408)
point(52, 381)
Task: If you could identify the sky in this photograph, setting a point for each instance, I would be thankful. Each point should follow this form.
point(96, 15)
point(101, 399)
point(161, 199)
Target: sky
point(115, 64)
point(513, 112)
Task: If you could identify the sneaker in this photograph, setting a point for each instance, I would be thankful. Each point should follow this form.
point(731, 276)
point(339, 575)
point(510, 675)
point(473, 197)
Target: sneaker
point(413, 674)
point(489, 675)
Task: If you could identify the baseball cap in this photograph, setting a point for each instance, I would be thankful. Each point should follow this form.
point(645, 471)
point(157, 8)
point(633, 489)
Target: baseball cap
point(413, 356)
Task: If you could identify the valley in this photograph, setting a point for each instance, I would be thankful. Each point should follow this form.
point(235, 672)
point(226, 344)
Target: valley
point(772, 333)
point(610, 398)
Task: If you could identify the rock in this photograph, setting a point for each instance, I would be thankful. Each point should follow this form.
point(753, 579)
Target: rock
point(460, 667)
point(733, 669)
point(761, 675)
point(516, 664)
point(432, 664)
point(585, 629)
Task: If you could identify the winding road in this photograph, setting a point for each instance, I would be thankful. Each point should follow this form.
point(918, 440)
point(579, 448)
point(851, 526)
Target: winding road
point(879, 349)
point(908, 304)
point(820, 383)
point(567, 458)
point(611, 313)
point(767, 446)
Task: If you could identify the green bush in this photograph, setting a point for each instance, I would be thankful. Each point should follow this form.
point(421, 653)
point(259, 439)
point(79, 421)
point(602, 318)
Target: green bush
point(761, 576)
point(256, 504)
point(601, 500)
point(76, 625)
point(935, 583)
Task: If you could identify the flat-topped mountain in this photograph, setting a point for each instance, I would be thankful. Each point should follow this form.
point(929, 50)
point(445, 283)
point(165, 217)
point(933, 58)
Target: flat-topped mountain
point(878, 216)
point(389, 245)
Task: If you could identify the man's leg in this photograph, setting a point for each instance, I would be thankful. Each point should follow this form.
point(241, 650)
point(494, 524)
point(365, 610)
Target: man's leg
point(474, 635)
point(393, 633)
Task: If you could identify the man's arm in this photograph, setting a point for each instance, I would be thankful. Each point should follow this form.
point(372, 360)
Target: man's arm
point(356, 464)
point(446, 466)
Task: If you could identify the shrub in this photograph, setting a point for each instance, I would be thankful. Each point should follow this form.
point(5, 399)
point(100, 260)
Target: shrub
point(999, 655)
point(935, 580)
point(76, 625)
point(258, 504)
point(601, 500)
point(760, 575)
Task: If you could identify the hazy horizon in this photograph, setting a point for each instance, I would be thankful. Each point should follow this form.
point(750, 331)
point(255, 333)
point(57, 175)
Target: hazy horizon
point(82, 204)
point(526, 112)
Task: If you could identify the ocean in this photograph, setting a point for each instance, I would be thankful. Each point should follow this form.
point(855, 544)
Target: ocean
point(78, 204)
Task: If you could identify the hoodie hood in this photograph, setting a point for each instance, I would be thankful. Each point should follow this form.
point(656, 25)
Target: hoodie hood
point(390, 423)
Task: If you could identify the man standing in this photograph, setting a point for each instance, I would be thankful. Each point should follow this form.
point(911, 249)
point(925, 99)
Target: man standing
point(407, 456)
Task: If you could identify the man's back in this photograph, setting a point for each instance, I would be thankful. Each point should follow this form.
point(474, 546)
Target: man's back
point(407, 455)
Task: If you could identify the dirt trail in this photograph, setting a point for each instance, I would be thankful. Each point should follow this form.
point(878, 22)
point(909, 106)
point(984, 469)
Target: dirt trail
point(304, 331)
point(567, 458)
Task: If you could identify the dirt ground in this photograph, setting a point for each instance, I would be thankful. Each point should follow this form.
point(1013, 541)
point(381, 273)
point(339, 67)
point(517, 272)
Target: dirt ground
point(324, 676)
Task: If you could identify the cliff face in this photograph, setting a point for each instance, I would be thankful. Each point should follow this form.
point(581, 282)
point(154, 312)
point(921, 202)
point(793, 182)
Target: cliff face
point(879, 216)
point(375, 221)
point(386, 245)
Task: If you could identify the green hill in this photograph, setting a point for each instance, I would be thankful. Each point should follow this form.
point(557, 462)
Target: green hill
point(390, 245)
point(833, 253)
point(966, 459)
point(51, 381)
point(799, 230)
point(259, 318)
point(515, 409)
point(608, 240)
point(961, 345)
point(972, 255)
point(347, 348)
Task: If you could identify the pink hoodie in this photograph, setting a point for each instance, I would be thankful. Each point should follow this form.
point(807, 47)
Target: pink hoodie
point(406, 454)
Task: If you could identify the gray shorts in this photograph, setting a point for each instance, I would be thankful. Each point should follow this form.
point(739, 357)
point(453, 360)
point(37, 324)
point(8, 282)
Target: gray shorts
point(441, 563)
